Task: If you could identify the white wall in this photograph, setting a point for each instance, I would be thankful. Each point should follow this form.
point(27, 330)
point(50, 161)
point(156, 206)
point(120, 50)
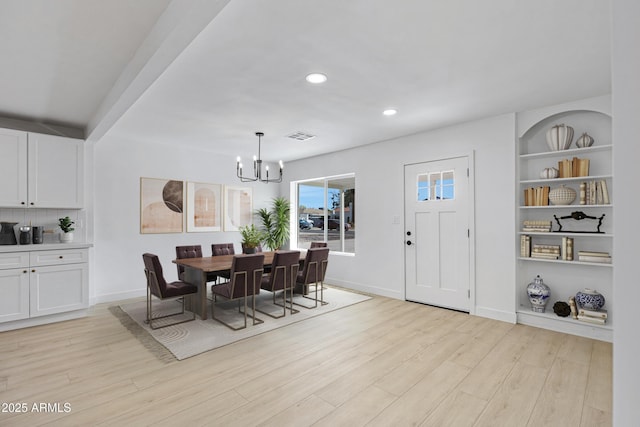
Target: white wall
point(117, 271)
point(626, 129)
point(378, 265)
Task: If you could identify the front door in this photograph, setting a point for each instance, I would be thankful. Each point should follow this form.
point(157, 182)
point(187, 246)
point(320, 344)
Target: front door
point(437, 243)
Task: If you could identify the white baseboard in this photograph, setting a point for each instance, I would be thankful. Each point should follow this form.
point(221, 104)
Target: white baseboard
point(42, 320)
point(364, 288)
point(492, 313)
point(118, 296)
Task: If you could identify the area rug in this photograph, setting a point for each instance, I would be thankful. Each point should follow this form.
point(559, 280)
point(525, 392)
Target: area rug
point(191, 338)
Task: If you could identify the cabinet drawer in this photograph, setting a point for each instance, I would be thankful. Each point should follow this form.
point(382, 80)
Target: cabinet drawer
point(14, 260)
point(59, 257)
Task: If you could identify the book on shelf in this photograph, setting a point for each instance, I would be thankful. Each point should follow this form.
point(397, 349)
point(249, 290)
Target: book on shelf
point(583, 167)
point(546, 248)
point(571, 168)
point(596, 259)
point(583, 193)
point(594, 253)
point(542, 255)
point(567, 248)
point(525, 246)
point(536, 223)
point(589, 319)
point(599, 314)
point(605, 192)
point(536, 196)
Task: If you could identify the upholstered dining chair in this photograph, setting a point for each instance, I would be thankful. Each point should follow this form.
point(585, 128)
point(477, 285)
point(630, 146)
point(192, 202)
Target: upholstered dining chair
point(284, 271)
point(158, 287)
point(246, 274)
point(218, 249)
point(192, 251)
point(315, 267)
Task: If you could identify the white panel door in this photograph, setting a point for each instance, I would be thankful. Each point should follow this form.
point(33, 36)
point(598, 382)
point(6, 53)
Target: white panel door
point(437, 253)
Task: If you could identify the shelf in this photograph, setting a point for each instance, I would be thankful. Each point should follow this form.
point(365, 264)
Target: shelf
point(567, 206)
point(564, 153)
point(562, 233)
point(559, 261)
point(561, 180)
point(549, 314)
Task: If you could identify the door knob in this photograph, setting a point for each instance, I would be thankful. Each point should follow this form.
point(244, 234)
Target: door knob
point(408, 242)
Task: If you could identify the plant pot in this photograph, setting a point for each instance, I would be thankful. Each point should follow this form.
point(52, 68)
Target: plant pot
point(248, 250)
point(66, 237)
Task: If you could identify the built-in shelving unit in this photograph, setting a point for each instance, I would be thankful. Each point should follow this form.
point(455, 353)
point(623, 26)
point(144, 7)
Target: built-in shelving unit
point(565, 277)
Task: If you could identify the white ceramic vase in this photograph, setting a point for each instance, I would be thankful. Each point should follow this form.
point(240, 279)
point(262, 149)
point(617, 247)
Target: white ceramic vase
point(559, 137)
point(562, 195)
point(66, 237)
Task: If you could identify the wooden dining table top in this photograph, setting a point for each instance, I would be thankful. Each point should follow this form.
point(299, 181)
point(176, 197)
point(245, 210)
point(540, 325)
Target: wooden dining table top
point(212, 264)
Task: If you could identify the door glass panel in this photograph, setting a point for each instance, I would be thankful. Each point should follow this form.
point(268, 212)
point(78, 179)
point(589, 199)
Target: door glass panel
point(436, 186)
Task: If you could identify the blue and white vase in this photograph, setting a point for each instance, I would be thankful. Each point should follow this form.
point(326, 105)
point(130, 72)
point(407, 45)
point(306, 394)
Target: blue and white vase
point(539, 294)
point(590, 299)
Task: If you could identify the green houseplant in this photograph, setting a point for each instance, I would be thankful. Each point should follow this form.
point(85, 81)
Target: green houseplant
point(251, 238)
point(66, 225)
point(275, 222)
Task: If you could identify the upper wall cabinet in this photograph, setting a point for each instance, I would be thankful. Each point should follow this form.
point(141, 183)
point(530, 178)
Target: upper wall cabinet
point(41, 171)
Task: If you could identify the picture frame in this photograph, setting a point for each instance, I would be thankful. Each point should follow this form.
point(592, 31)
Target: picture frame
point(204, 207)
point(161, 206)
point(238, 207)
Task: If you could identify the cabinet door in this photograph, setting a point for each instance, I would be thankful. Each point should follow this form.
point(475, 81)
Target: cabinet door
point(57, 289)
point(13, 164)
point(56, 171)
point(14, 291)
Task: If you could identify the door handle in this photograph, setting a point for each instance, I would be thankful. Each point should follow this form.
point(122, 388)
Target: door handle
point(409, 243)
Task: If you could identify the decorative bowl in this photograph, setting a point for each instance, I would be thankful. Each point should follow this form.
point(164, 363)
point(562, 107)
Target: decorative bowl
point(562, 195)
point(559, 137)
point(590, 299)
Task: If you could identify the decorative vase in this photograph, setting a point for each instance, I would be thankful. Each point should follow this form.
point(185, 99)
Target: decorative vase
point(549, 173)
point(562, 195)
point(559, 137)
point(66, 237)
point(590, 299)
point(539, 294)
point(584, 141)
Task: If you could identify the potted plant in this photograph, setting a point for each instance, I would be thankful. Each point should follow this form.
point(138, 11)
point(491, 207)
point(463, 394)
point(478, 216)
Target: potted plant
point(276, 223)
point(66, 225)
point(251, 238)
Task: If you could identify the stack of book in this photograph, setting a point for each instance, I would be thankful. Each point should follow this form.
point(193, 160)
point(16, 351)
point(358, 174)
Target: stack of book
point(525, 246)
point(545, 251)
point(598, 317)
point(567, 248)
point(573, 168)
point(536, 196)
point(536, 226)
point(594, 193)
point(594, 256)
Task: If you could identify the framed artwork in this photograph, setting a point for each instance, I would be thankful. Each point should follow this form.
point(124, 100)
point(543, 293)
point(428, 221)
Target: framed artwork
point(161, 206)
point(238, 207)
point(204, 207)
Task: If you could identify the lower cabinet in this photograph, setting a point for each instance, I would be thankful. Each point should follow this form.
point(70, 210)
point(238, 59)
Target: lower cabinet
point(41, 283)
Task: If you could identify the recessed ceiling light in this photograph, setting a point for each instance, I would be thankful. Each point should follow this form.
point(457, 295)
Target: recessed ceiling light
point(316, 78)
point(390, 112)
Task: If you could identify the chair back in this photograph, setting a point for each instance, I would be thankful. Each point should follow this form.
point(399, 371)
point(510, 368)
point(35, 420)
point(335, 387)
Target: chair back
point(284, 270)
point(155, 279)
point(318, 245)
point(249, 268)
point(222, 249)
point(193, 251)
point(315, 266)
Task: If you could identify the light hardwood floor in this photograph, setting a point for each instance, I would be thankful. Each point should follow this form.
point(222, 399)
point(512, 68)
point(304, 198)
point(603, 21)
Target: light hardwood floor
point(379, 363)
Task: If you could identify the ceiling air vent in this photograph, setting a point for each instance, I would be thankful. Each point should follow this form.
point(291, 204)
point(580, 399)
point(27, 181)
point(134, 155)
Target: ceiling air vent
point(301, 136)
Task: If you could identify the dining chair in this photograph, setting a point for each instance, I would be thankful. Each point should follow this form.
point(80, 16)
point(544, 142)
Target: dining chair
point(158, 287)
point(246, 273)
point(218, 249)
point(284, 271)
point(191, 251)
point(315, 267)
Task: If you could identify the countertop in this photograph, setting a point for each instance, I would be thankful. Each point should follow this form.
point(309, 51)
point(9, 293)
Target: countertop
point(44, 247)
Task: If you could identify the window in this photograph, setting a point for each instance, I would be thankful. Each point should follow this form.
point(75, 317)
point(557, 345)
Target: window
point(436, 186)
point(325, 210)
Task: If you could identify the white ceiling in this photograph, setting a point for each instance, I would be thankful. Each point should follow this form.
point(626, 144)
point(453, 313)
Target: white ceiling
point(208, 74)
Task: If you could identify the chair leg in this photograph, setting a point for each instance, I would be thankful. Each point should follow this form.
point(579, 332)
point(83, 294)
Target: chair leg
point(150, 319)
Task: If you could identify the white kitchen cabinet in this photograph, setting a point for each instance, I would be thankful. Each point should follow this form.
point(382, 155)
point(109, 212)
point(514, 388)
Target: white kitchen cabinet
point(35, 284)
point(42, 171)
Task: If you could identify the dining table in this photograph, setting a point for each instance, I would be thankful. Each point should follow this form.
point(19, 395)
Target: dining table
point(195, 272)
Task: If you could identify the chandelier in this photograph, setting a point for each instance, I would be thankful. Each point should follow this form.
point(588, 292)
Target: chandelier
point(257, 167)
